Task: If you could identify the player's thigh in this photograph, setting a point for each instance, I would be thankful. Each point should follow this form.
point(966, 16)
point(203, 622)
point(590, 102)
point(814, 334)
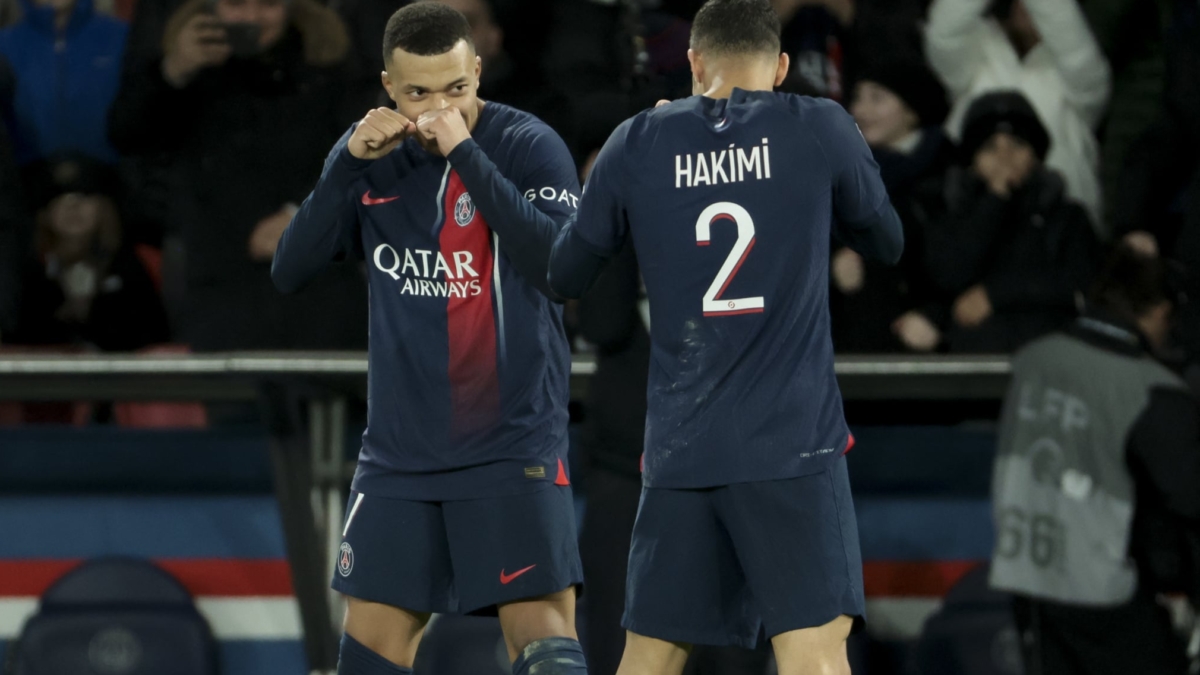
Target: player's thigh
point(530, 619)
point(394, 552)
point(390, 632)
point(517, 547)
point(685, 584)
point(797, 541)
point(645, 655)
point(820, 650)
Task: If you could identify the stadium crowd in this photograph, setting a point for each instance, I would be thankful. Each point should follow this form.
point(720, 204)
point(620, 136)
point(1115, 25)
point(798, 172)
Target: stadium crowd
point(152, 155)
point(153, 152)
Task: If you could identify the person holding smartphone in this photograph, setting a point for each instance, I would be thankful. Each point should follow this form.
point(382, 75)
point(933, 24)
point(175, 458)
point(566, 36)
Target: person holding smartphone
point(239, 81)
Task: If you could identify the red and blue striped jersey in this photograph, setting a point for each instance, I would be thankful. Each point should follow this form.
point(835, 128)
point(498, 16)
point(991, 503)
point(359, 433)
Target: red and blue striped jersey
point(468, 363)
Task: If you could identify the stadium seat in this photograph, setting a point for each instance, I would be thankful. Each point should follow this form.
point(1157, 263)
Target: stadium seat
point(973, 633)
point(115, 615)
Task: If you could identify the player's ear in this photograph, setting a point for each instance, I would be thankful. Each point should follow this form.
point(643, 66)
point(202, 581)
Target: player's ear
point(478, 70)
point(782, 69)
point(697, 63)
point(387, 84)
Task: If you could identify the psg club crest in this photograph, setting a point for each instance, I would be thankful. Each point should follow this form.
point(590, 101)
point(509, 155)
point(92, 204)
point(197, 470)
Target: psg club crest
point(464, 210)
point(345, 559)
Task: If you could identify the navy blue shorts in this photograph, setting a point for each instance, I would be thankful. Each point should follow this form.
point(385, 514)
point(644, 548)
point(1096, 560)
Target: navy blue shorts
point(715, 565)
point(460, 557)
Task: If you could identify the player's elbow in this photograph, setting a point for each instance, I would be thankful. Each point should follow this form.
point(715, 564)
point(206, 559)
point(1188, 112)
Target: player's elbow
point(561, 287)
point(284, 278)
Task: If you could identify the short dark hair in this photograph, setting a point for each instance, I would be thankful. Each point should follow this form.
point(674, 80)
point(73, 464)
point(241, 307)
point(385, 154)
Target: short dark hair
point(736, 27)
point(1132, 283)
point(425, 29)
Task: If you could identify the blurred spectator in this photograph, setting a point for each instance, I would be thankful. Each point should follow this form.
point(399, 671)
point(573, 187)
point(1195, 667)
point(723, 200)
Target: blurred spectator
point(65, 58)
point(1095, 432)
point(14, 237)
point(977, 46)
point(882, 308)
point(1130, 32)
point(1013, 250)
point(814, 37)
point(500, 81)
point(365, 20)
point(246, 100)
point(87, 286)
point(1158, 206)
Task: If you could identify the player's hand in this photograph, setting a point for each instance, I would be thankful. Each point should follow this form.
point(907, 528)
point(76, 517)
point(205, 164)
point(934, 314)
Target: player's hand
point(916, 332)
point(848, 271)
point(379, 133)
point(265, 238)
point(1142, 242)
point(446, 126)
point(661, 103)
point(201, 44)
point(972, 307)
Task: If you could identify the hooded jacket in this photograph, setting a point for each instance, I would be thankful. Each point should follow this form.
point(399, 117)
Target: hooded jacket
point(64, 82)
point(1065, 77)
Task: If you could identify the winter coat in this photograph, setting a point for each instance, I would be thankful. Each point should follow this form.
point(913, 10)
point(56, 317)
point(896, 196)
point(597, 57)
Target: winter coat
point(862, 321)
point(1065, 77)
point(126, 313)
point(246, 138)
point(1034, 253)
point(64, 84)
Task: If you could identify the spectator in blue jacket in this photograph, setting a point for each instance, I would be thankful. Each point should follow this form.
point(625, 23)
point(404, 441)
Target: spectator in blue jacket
point(65, 59)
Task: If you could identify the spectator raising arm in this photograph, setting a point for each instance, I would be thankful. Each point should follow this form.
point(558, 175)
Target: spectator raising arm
point(1084, 69)
point(952, 41)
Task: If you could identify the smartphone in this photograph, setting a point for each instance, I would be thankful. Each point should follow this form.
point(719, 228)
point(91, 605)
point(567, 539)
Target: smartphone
point(243, 38)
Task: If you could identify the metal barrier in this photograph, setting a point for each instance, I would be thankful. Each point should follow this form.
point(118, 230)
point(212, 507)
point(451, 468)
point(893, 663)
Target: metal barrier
point(310, 492)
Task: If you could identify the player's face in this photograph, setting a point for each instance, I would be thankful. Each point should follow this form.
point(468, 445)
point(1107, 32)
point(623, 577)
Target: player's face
point(419, 84)
point(881, 115)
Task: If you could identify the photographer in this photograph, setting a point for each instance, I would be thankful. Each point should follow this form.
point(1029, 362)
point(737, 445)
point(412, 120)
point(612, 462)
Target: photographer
point(1097, 483)
point(245, 100)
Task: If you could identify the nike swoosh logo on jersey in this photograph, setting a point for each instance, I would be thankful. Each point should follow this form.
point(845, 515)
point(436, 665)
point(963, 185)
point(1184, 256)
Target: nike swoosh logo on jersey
point(507, 578)
point(368, 200)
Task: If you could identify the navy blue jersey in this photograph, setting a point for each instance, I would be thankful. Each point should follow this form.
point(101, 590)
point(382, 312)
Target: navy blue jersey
point(469, 364)
point(731, 204)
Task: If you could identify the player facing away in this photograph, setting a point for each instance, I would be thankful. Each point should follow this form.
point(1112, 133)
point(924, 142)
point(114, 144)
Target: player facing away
point(731, 198)
point(460, 502)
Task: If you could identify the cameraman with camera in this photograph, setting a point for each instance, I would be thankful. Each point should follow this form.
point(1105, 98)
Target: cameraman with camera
point(1096, 491)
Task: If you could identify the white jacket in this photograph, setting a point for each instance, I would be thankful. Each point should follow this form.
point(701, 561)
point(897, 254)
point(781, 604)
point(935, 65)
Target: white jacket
point(1066, 78)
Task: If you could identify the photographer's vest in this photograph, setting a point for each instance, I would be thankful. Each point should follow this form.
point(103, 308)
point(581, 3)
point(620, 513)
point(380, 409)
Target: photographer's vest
point(1062, 492)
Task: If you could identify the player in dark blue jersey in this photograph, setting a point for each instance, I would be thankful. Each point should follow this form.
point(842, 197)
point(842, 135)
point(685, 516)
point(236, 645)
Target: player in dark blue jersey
point(731, 198)
point(461, 502)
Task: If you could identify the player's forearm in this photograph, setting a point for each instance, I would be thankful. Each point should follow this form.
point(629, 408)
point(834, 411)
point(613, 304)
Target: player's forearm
point(878, 237)
point(526, 234)
point(316, 235)
point(574, 264)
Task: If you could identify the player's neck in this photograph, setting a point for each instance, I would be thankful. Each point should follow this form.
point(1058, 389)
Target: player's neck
point(720, 84)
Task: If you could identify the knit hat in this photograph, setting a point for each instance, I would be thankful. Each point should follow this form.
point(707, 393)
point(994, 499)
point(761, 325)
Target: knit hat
point(70, 172)
point(1002, 112)
point(913, 83)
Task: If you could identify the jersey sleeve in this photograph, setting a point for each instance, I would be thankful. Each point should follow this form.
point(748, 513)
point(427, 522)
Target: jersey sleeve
point(528, 212)
point(598, 230)
point(325, 228)
point(864, 218)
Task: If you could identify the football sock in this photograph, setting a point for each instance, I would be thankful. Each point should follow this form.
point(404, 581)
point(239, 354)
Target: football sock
point(355, 659)
point(551, 656)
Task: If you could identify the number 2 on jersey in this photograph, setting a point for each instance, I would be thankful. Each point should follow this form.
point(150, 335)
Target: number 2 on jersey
point(714, 304)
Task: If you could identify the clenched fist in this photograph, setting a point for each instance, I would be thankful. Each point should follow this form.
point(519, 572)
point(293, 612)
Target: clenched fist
point(446, 126)
point(379, 133)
